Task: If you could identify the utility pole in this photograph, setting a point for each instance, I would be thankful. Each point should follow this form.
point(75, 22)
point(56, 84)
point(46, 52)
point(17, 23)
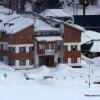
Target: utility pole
point(84, 7)
point(85, 3)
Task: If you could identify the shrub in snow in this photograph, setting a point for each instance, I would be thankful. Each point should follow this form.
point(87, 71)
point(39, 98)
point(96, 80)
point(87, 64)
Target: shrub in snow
point(45, 77)
point(5, 75)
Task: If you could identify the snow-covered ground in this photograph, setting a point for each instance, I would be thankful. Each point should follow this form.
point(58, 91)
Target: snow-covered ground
point(61, 83)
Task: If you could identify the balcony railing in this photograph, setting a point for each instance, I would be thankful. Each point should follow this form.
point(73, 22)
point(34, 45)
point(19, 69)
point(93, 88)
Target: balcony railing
point(49, 51)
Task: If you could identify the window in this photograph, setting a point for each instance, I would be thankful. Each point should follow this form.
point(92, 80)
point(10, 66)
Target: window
point(58, 47)
point(31, 49)
point(22, 62)
point(57, 25)
point(22, 49)
point(73, 60)
point(65, 60)
point(30, 61)
point(41, 46)
point(66, 48)
point(11, 62)
point(74, 47)
point(1, 56)
point(11, 49)
point(1, 46)
point(52, 46)
point(59, 60)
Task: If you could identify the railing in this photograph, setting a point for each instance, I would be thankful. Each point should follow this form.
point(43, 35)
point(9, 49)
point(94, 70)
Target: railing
point(49, 51)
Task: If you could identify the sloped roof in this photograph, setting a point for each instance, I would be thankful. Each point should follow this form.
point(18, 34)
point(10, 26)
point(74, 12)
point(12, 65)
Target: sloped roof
point(55, 13)
point(14, 23)
point(41, 25)
point(88, 35)
point(95, 47)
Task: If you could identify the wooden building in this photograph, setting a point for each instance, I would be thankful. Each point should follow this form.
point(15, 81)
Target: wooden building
point(25, 43)
point(16, 43)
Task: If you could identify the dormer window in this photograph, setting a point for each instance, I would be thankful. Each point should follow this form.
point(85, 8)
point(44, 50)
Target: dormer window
point(5, 24)
point(11, 24)
point(0, 21)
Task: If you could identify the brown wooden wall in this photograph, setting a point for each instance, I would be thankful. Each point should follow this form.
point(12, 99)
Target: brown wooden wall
point(71, 34)
point(22, 37)
point(69, 54)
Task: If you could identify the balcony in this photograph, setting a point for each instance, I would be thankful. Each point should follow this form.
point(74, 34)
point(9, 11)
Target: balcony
point(49, 51)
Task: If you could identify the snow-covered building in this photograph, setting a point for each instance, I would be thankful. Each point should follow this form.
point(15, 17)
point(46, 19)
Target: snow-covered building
point(16, 41)
point(25, 43)
point(62, 41)
point(58, 14)
point(90, 43)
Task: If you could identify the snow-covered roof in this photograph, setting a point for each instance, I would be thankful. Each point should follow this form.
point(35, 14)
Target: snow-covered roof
point(89, 35)
point(6, 18)
point(95, 47)
point(14, 23)
point(4, 10)
point(75, 26)
point(55, 13)
point(49, 38)
point(41, 25)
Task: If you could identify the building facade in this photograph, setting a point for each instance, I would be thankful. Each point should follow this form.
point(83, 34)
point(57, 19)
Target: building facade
point(16, 43)
point(25, 43)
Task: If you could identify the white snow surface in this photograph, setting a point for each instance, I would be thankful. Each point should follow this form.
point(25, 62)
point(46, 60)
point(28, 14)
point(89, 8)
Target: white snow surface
point(40, 25)
point(95, 47)
point(49, 38)
point(62, 82)
point(54, 13)
point(88, 35)
point(96, 61)
point(4, 10)
point(66, 82)
point(18, 23)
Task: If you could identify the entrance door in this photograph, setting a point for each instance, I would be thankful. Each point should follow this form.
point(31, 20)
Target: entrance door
point(46, 60)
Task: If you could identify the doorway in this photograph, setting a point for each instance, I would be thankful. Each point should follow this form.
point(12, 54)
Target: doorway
point(46, 60)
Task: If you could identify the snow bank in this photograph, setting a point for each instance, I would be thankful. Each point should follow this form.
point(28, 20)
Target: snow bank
point(96, 61)
point(5, 67)
point(38, 73)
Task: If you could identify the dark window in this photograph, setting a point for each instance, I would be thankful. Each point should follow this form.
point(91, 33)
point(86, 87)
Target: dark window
point(1, 56)
point(11, 49)
point(22, 62)
point(22, 49)
point(11, 62)
point(73, 60)
point(52, 46)
point(66, 48)
point(41, 46)
point(30, 61)
point(31, 49)
point(1, 46)
point(57, 25)
point(65, 60)
point(74, 47)
point(59, 60)
point(58, 47)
